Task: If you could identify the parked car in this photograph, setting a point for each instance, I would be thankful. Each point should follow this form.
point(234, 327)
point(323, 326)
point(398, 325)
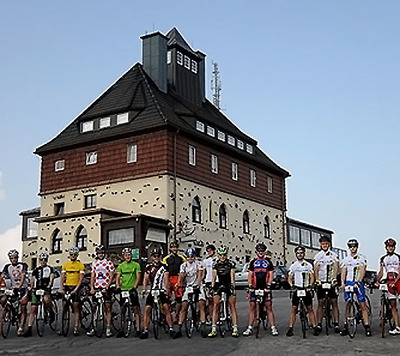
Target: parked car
point(241, 275)
point(280, 280)
point(370, 279)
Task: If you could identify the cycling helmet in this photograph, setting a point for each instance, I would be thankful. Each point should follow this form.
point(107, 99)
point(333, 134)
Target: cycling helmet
point(173, 244)
point(352, 242)
point(74, 250)
point(190, 252)
point(126, 250)
point(299, 249)
point(43, 256)
point(155, 251)
point(324, 238)
point(222, 250)
point(100, 248)
point(390, 242)
point(13, 252)
point(211, 247)
point(261, 247)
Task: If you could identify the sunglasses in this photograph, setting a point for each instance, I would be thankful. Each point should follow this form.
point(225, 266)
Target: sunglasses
point(156, 256)
point(353, 246)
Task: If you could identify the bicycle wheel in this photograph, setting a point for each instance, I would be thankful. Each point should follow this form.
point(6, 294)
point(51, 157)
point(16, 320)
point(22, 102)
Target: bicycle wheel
point(303, 319)
point(190, 321)
point(156, 320)
point(40, 319)
point(66, 318)
point(53, 320)
point(382, 316)
point(327, 315)
point(116, 316)
point(86, 314)
point(368, 305)
point(389, 315)
point(6, 320)
point(264, 318)
point(127, 318)
point(257, 320)
point(99, 319)
point(351, 320)
point(223, 319)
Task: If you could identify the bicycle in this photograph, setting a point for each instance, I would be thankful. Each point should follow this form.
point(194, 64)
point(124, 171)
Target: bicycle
point(261, 314)
point(10, 312)
point(157, 317)
point(385, 313)
point(191, 321)
point(224, 320)
point(86, 312)
point(43, 315)
point(302, 310)
point(127, 320)
point(353, 311)
point(327, 307)
point(98, 315)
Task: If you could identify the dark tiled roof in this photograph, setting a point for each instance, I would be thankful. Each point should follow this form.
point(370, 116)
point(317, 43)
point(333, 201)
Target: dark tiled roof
point(30, 211)
point(151, 108)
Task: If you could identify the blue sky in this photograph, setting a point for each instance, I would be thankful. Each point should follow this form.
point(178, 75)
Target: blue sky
point(317, 83)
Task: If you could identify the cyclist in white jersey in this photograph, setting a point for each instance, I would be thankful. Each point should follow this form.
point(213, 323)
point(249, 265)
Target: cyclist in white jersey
point(208, 263)
point(326, 268)
point(390, 271)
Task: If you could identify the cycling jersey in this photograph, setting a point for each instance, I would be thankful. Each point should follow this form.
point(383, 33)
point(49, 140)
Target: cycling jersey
point(390, 263)
point(15, 273)
point(128, 271)
point(102, 270)
point(208, 263)
point(72, 270)
point(223, 270)
point(173, 263)
point(301, 271)
point(261, 268)
point(325, 261)
point(156, 275)
point(42, 276)
point(353, 265)
point(191, 271)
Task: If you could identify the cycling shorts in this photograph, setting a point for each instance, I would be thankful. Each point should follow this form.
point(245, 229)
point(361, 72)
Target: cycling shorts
point(393, 291)
point(359, 292)
point(267, 296)
point(230, 291)
point(308, 299)
point(198, 292)
point(332, 293)
point(107, 295)
point(75, 298)
point(134, 298)
point(177, 290)
point(35, 299)
point(164, 299)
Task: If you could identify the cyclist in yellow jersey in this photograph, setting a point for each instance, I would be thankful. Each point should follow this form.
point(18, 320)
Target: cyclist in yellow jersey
point(71, 280)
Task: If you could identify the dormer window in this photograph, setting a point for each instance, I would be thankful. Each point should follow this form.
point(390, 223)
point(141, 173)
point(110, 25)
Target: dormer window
point(249, 148)
point(87, 126)
point(210, 131)
point(59, 165)
point(179, 58)
point(200, 126)
point(194, 67)
point(187, 62)
point(122, 118)
point(169, 57)
point(105, 122)
point(240, 144)
point(231, 140)
point(91, 158)
point(221, 136)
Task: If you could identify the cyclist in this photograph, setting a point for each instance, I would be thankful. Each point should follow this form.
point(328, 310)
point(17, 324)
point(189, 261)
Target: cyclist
point(42, 278)
point(16, 272)
point(301, 275)
point(390, 268)
point(353, 272)
point(208, 263)
point(191, 271)
point(261, 274)
point(72, 274)
point(100, 280)
point(326, 269)
point(224, 280)
point(173, 263)
point(128, 278)
point(155, 274)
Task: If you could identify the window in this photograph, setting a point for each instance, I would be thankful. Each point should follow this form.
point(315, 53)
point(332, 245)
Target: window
point(192, 155)
point(32, 228)
point(305, 237)
point(246, 222)
point(240, 144)
point(214, 164)
point(253, 177)
point(122, 118)
point(269, 184)
point(169, 57)
point(196, 210)
point(90, 201)
point(210, 131)
point(59, 208)
point(105, 122)
point(231, 140)
point(121, 237)
point(59, 165)
point(221, 136)
point(91, 158)
point(81, 238)
point(131, 153)
point(249, 148)
point(187, 62)
point(200, 126)
point(194, 67)
point(56, 242)
point(315, 239)
point(234, 171)
point(222, 217)
point(179, 58)
point(267, 228)
point(294, 234)
point(87, 126)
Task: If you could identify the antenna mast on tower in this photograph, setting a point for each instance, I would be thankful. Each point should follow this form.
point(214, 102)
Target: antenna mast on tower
point(216, 86)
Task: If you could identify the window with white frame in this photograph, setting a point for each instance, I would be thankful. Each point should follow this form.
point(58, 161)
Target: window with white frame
point(32, 228)
point(246, 222)
point(231, 140)
point(194, 66)
point(305, 237)
point(249, 148)
point(221, 136)
point(59, 165)
point(235, 171)
point(179, 58)
point(240, 144)
point(294, 234)
point(90, 201)
point(315, 236)
point(122, 118)
point(192, 155)
point(222, 217)
point(81, 238)
point(91, 157)
point(210, 131)
point(56, 241)
point(187, 62)
point(87, 126)
point(200, 126)
point(131, 153)
point(169, 57)
point(269, 184)
point(121, 236)
point(105, 122)
point(214, 163)
point(253, 177)
point(267, 228)
point(196, 210)
point(59, 208)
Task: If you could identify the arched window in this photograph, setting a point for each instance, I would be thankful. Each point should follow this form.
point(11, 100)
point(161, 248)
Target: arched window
point(246, 222)
point(222, 217)
point(196, 210)
point(56, 241)
point(81, 238)
point(267, 229)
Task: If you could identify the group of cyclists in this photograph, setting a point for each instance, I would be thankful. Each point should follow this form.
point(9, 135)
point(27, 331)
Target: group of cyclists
point(178, 277)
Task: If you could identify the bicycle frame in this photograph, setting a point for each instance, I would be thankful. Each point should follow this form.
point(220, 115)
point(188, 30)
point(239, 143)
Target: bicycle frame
point(10, 312)
point(385, 313)
point(260, 317)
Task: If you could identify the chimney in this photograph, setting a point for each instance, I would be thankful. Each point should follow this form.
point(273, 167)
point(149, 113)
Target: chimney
point(154, 57)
